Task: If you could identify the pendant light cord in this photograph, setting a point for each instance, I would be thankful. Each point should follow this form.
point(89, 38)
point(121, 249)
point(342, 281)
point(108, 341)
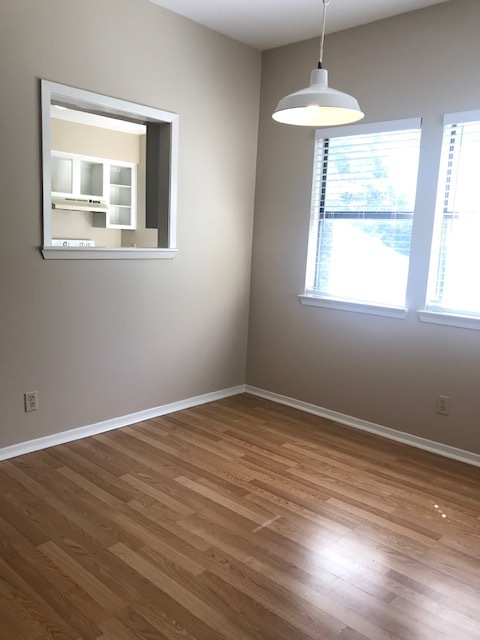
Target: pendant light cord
point(325, 4)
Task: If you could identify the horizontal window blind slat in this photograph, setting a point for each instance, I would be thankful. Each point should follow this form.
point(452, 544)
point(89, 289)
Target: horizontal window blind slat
point(455, 263)
point(363, 195)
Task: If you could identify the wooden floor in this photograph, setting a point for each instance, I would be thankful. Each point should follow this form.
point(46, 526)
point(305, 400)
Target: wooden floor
point(238, 520)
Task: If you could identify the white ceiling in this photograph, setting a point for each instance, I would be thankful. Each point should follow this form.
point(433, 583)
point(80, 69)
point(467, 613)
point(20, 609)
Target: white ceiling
point(104, 122)
point(265, 24)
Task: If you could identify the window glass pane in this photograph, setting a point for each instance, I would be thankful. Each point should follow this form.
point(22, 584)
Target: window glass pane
point(362, 210)
point(455, 264)
point(376, 172)
point(365, 260)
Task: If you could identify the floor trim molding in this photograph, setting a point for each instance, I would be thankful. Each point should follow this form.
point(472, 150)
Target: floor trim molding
point(123, 421)
point(386, 432)
point(115, 423)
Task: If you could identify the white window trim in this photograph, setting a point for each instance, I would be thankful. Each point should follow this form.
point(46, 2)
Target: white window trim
point(119, 107)
point(449, 319)
point(461, 116)
point(101, 253)
point(315, 300)
point(350, 305)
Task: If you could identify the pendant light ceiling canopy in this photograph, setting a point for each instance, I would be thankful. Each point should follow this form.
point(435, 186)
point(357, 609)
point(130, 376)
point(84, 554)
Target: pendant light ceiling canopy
point(318, 105)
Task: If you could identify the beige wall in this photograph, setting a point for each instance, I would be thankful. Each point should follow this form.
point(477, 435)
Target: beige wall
point(86, 140)
point(67, 225)
point(100, 339)
point(383, 370)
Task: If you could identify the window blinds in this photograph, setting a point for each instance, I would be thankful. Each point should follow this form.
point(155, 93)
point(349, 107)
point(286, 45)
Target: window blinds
point(455, 263)
point(363, 200)
point(370, 175)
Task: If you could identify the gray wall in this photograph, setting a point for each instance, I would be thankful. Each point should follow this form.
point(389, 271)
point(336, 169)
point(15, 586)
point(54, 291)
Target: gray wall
point(384, 370)
point(103, 339)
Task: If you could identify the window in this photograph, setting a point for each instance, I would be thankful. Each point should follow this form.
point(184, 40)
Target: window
point(455, 260)
point(363, 199)
point(92, 208)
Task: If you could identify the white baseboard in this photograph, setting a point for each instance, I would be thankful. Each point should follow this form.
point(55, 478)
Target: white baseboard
point(123, 421)
point(115, 423)
point(392, 434)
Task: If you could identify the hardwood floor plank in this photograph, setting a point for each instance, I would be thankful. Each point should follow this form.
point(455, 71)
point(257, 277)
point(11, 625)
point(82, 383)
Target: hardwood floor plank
point(250, 614)
point(231, 503)
point(16, 621)
point(444, 620)
point(60, 593)
point(432, 599)
point(350, 634)
point(168, 530)
point(161, 541)
point(24, 518)
point(22, 479)
point(346, 490)
point(174, 621)
point(359, 546)
point(233, 536)
point(83, 578)
point(159, 627)
point(129, 626)
point(91, 487)
point(309, 620)
point(394, 523)
point(96, 474)
point(174, 589)
point(363, 606)
point(238, 520)
point(14, 587)
point(178, 507)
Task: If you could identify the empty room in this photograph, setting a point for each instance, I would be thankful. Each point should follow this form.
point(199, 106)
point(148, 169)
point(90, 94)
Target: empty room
point(240, 320)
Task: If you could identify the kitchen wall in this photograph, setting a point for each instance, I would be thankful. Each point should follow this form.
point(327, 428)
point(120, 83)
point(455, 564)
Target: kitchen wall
point(141, 236)
point(383, 370)
point(101, 339)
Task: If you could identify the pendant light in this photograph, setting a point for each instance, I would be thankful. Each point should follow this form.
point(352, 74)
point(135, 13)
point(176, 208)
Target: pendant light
point(318, 105)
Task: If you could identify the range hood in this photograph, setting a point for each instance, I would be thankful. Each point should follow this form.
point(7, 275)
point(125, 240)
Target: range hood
point(79, 204)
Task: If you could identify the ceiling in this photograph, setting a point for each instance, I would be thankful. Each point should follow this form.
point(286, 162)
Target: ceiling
point(94, 120)
point(265, 24)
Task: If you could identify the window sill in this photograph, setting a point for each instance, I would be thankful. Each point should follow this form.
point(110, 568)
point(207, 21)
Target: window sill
point(358, 307)
point(449, 319)
point(97, 253)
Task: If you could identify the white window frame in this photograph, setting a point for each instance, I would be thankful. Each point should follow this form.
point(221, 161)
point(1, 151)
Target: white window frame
point(308, 298)
point(431, 313)
point(52, 92)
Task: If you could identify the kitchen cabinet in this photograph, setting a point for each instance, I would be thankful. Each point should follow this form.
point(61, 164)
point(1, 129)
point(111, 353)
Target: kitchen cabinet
point(107, 188)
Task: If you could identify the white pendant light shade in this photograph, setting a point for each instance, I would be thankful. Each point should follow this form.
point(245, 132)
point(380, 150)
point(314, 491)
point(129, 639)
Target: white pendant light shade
point(318, 105)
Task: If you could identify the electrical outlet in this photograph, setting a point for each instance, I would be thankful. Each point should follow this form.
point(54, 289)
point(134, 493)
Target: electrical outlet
point(31, 400)
point(443, 405)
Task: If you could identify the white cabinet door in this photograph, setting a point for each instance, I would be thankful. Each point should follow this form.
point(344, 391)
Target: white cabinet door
point(113, 183)
point(122, 209)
